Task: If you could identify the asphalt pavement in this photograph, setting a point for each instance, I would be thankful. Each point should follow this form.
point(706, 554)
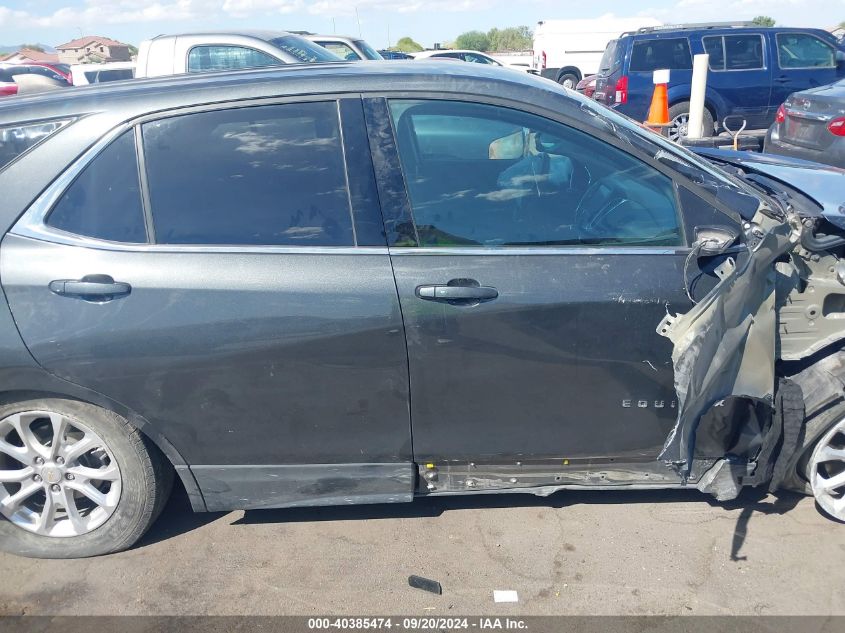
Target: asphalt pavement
point(615, 553)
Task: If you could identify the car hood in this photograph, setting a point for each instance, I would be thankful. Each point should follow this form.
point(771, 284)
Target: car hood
point(822, 183)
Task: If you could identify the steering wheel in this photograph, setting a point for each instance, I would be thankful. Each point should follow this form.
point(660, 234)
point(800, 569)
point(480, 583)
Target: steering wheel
point(611, 201)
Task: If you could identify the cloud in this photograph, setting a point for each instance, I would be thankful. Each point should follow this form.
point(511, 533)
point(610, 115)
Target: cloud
point(98, 12)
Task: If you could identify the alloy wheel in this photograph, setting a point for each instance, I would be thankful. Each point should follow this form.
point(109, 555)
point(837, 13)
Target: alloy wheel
point(57, 477)
point(827, 471)
point(678, 127)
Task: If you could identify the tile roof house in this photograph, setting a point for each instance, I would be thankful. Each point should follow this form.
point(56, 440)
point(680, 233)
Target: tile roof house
point(28, 55)
point(93, 48)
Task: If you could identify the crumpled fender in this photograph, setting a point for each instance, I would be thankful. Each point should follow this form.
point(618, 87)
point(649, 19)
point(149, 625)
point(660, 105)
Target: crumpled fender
point(725, 345)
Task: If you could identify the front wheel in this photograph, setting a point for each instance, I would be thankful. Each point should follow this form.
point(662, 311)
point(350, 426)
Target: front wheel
point(75, 480)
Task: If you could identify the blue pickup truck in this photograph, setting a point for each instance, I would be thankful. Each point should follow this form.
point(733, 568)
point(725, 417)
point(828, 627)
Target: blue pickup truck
point(753, 70)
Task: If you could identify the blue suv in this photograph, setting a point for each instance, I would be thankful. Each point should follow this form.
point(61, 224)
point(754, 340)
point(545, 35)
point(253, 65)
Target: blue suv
point(753, 70)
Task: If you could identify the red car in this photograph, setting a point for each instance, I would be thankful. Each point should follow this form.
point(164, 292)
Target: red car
point(587, 86)
point(59, 72)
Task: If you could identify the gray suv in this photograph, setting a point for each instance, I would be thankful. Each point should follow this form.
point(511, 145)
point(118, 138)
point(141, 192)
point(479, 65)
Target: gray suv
point(362, 283)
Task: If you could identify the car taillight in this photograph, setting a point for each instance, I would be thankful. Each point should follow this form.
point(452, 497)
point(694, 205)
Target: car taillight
point(837, 126)
point(780, 117)
point(622, 90)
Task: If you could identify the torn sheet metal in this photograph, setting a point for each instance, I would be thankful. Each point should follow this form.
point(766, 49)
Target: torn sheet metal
point(725, 345)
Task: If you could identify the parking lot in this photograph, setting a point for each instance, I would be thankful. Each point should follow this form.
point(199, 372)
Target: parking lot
point(671, 552)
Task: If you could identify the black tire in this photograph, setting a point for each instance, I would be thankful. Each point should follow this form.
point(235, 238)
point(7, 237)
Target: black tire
point(146, 476)
point(823, 384)
point(568, 77)
point(682, 108)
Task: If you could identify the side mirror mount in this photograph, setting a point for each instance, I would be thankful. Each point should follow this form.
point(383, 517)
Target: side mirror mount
point(714, 240)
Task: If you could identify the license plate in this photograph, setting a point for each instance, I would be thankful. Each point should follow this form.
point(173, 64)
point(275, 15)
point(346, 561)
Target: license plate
point(803, 132)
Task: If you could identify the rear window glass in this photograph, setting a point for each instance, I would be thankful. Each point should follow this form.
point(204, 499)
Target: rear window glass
point(104, 202)
point(650, 55)
point(212, 58)
point(608, 60)
point(16, 139)
point(304, 50)
point(735, 52)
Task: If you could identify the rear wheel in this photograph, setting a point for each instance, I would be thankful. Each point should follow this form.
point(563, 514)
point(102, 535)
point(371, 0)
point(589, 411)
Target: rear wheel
point(75, 480)
point(679, 121)
point(568, 80)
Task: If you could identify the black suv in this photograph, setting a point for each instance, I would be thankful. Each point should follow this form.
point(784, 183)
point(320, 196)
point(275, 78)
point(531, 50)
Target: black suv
point(363, 283)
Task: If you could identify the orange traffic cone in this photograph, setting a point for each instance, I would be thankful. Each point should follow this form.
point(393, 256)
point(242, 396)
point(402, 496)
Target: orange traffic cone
point(658, 113)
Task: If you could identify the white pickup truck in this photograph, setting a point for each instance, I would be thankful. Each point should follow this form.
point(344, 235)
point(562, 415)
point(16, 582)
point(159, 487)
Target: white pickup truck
point(566, 51)
point(215, 51)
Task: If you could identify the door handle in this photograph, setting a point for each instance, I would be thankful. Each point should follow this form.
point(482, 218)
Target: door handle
point(457, 293)
point(91, 288)
point(782, 80)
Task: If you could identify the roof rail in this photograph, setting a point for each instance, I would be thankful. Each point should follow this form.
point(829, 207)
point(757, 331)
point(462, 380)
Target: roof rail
point(692, 27)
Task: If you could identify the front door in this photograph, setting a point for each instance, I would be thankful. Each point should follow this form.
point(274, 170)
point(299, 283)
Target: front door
point(533, 267)
point(804, 61)
point(236, 296)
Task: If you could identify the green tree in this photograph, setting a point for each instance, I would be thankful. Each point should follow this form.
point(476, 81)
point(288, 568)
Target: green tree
point(33, 47)
point(763, 20)
point(407, 45)
point(133, 50)
point(473, 41)
point(513, 38)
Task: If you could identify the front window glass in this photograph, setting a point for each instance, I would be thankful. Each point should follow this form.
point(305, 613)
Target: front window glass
point(481, 175)
point(651, 55)
point(267, 175)
point(212, 58)
point(344, 51)
point(304, 50)
point(802, 50)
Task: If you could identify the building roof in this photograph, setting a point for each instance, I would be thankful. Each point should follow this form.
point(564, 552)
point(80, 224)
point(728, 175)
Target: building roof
point(89, 39)
point(33, 55)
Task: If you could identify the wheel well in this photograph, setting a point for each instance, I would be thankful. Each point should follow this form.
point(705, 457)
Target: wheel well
point(570, 70)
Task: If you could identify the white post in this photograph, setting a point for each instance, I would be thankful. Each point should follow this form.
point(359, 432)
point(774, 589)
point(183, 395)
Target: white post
point(695, 127)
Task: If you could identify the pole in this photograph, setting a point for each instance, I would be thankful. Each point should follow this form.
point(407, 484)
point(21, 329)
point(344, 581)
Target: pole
point(695, 127)
point(358, 18)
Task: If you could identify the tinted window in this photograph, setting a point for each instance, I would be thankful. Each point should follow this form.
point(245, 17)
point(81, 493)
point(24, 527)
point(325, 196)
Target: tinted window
point(744, 52)
point(369, 51)
point(650, 55)
point(46, 72)
point(104, 202)
point(608, 60)
point(209, 58)
point(486, 175)
point(714, 46)
point(262, 175)
point(478, 59)
point(802, 50)
point(17, 139)
point(110, 75)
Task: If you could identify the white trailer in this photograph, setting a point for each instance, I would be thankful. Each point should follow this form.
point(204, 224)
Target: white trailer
point(566, 51)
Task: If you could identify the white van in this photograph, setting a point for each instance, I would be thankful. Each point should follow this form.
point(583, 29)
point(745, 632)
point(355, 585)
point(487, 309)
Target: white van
point(566, 51)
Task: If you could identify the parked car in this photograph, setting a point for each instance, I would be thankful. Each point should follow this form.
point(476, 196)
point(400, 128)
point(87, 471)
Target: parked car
point(475, 57)
point(59, 73)
point(209, 52)
point(84, 74)
point(388, 54)
point(566, 51)
point(587, 86)
point(270, 298)
point(752, 70)
point(348, 48)
point(811, 125)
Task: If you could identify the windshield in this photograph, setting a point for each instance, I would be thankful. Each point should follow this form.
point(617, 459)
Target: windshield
point(606, 63)
point(304, 50)
point(369, 51)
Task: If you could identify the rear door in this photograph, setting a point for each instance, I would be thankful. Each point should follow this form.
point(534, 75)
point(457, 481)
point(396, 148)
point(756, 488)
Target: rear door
point(804, 60)
point(533, 262)
point(238, 295)
point(742, 76)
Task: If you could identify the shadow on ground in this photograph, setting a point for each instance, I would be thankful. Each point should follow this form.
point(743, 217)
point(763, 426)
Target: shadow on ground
point(178, 518)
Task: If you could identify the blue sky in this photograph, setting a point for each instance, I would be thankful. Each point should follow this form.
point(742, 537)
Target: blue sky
point(427, 21)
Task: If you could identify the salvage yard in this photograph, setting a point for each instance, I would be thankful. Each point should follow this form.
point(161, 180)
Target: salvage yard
point(669, 552)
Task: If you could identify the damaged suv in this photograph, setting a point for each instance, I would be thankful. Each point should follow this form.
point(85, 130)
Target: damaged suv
point(353, 283)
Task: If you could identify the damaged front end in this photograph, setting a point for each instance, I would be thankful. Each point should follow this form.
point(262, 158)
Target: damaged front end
point(779, 297)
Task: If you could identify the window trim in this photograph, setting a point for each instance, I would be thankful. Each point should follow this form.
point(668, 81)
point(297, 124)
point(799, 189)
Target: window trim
point(408, 210)
point(636, 41)
point(226, 45)
point(725, 54)
point(32, 223)
point(813, 35)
